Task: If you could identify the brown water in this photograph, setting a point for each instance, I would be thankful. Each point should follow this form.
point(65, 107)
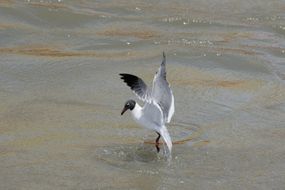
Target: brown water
point(61, 97)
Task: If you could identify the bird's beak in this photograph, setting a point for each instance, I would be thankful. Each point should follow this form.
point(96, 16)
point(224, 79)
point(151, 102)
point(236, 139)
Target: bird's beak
point(124, 110)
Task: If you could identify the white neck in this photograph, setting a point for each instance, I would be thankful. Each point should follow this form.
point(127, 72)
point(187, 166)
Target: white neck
point(137, 112)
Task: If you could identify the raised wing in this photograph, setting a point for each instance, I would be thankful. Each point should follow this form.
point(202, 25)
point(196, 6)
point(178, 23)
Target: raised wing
point(137, 85)
point(162, 93)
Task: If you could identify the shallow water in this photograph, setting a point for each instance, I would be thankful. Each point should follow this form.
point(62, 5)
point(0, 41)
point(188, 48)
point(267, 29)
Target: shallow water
point(61, 96)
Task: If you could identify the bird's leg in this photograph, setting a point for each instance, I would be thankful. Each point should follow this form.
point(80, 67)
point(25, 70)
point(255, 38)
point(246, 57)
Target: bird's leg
point(157, 142)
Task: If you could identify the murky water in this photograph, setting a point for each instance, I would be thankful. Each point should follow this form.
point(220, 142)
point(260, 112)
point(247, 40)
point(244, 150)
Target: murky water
point(61, 97)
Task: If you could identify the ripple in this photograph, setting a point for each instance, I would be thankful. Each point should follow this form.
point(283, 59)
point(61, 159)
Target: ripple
point(51, 5)
point(130, 32)
point(44, 51)
point(124, 154)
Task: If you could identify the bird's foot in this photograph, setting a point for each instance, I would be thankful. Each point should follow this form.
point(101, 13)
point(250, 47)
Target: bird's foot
point(157, 147)
point(157, 142)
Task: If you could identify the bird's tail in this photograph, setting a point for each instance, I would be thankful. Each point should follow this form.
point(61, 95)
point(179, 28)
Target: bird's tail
point(165, 135)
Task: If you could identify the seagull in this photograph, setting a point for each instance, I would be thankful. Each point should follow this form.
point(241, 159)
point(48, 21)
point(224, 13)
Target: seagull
point(158, 107)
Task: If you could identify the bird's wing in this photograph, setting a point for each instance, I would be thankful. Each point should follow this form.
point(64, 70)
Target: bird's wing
point(162, 93)
point(137, 85)
point(153, 113)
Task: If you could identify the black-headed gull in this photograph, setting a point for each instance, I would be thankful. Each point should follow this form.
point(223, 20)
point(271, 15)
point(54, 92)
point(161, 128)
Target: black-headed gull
point(159, 103)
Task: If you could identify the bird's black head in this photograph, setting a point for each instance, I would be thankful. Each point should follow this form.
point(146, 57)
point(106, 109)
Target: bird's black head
point(130, 104)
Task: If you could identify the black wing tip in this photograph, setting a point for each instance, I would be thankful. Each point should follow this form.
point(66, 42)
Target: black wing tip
point(122, 75)
point(126, 75)
point(129, 79)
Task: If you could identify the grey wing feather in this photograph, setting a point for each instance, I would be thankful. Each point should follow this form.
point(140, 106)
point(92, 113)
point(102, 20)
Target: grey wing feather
point(137, 85)
point(162, 93)
point(153, 112)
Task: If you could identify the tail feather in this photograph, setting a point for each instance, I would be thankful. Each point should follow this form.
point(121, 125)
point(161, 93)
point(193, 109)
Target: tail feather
point(166, 137)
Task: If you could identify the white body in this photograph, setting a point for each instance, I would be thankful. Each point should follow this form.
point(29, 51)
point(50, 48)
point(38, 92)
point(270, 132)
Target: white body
point(151, 117)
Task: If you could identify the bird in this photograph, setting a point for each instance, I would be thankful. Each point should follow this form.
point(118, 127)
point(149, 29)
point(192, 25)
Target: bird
point(158, 107)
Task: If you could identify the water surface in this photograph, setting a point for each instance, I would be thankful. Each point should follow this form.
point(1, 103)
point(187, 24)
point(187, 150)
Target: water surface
point(61, 97)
